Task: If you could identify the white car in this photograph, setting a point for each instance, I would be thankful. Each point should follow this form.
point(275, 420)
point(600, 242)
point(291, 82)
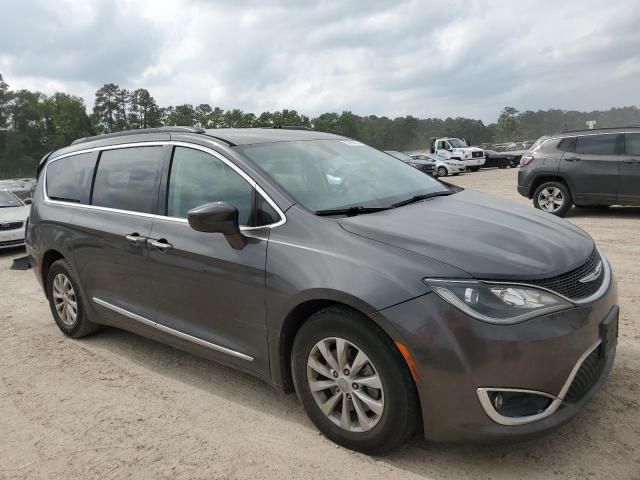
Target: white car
point(13, 219)
point(444, 166)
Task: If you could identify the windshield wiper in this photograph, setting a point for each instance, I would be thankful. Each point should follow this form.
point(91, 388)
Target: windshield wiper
point(424, 196)
point(350, 211)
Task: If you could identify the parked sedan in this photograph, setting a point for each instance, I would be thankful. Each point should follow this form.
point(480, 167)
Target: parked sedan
point(499, 159)
point(13, 217)
point(425, 166)
point(444, 166)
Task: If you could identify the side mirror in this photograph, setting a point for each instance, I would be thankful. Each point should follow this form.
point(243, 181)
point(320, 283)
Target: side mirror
point(218, 217)
point(27, 201)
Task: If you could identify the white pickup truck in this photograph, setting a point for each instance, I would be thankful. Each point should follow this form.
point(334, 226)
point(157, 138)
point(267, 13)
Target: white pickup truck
point(454, 148)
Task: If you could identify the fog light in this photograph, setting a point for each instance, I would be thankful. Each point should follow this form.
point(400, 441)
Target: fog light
point(497, 401)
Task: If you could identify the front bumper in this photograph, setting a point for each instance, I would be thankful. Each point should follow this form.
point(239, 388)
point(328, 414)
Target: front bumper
point(456, 355)
point(12, 238)
point(474, 162)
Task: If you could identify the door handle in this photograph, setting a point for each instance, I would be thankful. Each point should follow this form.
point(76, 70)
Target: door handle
point(136, 239)
point(572, 159)
point(632, 161)
point(161, 244)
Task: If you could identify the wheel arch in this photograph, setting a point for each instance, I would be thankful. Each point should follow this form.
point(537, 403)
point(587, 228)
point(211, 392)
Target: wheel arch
point(293, 322)
point(49, 258)
point(550, 177)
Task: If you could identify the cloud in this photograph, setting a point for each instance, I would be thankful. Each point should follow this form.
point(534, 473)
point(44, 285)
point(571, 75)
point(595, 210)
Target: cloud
point(382, 57)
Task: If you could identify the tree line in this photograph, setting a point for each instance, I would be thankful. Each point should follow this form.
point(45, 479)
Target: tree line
point(32, 123)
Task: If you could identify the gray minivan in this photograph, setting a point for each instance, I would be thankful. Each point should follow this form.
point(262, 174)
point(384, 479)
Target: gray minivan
point(387, 300)
point(588, 168)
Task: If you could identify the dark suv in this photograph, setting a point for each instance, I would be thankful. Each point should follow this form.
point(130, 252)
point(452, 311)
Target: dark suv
point(389, 301)
point(588, 168)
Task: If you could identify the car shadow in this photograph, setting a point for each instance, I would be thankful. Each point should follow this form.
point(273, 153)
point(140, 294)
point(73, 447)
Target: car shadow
point(206, 375)
point(611, 212)
point(601, 426)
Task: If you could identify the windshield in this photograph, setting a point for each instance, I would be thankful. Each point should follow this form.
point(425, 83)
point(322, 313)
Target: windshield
point(336, 174)
point(457, 143)
point(399, 155)
point(9, 200)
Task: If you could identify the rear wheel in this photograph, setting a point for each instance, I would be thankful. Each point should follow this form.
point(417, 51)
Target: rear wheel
point(442, 172)
point(66, 301)
point(502, 164)
point(474, 169)
point(353, 383)
point(553, 197)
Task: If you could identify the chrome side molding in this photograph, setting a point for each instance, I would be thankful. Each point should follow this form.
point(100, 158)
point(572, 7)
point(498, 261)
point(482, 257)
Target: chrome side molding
point(171, 331)
point(492, 413)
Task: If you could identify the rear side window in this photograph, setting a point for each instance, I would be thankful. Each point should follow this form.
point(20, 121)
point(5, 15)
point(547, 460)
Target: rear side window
point(567, 144)
point(128, 179)
point(69, 179)
point(596, 144)
point(632, 143)
point(197, 178)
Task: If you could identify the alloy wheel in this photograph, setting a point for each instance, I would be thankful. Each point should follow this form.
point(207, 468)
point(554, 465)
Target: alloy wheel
point(345, 384)
point(551, 199)
point(442, 172)
point(65, 300)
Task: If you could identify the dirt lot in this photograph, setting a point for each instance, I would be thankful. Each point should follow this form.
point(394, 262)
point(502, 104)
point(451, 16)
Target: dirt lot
point(118, 406)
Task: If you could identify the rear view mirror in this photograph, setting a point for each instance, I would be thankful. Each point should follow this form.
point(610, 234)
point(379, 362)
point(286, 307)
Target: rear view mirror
point(218, 217)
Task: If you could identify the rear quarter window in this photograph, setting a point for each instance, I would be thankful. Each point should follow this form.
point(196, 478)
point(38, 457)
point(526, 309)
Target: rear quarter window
point(69, 179)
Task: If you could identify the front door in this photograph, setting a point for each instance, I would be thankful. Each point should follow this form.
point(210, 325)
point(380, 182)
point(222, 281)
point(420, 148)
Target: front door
point(630, 170)
point(203, 287)
point(593, 169)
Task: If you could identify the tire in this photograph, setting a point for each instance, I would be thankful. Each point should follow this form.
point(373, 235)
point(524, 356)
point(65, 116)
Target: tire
point(398, 416)
point(61, 280)
point(502, 164)
point(474, 169)
point(442, 172)
point(542, 198)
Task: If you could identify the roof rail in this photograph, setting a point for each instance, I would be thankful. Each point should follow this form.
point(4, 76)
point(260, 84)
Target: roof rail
point(291, 127)
point(601, 128)
point(138, 131)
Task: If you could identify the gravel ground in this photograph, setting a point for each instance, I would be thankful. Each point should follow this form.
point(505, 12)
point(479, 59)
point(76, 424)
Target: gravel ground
point(119, 406)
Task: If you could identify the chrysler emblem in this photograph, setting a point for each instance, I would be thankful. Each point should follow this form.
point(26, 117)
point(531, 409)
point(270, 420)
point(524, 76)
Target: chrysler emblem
point(593, 275)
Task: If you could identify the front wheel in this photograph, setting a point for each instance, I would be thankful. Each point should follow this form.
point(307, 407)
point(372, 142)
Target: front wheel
point(553, 197)
point(475, 169)
point(442, 172)
point(353, 382)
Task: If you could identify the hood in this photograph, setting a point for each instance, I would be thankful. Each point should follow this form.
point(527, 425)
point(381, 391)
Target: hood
point(488, 237)
point(14, 214)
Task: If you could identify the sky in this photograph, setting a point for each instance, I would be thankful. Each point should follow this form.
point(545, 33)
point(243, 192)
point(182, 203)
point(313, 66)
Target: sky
point(392, 58)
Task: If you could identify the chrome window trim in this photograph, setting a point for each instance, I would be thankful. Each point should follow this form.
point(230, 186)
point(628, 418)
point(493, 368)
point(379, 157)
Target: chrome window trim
point(171, 331)
point(487, 405)
point(229, 163)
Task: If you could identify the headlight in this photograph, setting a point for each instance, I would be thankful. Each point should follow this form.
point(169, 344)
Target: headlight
point(496, 303)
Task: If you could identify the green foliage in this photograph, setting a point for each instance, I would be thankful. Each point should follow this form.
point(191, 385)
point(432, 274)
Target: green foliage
point(32, 124)
point(507, 126)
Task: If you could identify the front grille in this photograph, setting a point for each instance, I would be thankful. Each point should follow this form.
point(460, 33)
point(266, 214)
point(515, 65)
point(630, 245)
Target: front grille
point(587, 376)
point(11, 225)
point(477, 154)
point(569, 283)
point(11, 242)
